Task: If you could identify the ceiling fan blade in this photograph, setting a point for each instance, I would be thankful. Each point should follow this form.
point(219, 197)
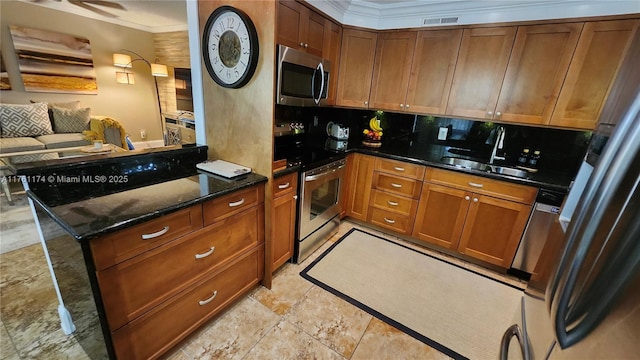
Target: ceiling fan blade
point(82, 4)
point(105, 3)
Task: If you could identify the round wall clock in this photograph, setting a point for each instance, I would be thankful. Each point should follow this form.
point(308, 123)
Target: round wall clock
point(230, 47)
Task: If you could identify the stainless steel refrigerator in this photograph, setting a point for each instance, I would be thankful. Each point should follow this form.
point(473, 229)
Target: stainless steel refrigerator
point(583, 299)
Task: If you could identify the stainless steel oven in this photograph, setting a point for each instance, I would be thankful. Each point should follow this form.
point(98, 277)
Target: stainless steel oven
point(319, 211)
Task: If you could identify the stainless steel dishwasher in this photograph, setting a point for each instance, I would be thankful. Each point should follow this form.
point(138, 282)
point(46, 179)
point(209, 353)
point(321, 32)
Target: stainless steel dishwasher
point(546, 208)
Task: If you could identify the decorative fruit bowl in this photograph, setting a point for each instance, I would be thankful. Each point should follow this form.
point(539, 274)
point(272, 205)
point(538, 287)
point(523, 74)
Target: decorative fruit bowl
point(373, 135)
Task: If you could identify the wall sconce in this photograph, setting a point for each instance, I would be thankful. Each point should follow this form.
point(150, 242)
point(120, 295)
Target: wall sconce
point(124, 61)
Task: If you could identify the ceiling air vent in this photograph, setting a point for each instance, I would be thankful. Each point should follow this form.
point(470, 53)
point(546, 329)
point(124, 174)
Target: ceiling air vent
point(438, 21)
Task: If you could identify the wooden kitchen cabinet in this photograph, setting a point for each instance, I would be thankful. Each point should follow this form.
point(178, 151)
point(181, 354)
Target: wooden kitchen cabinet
point(359, 185)
point(357, 53)
point(493, 229)
point(162, 279)
point(300, 28)
point(413, 70)
point(284, 218)
point(394, 197)
point(599, 53)
point(537, 67)
point(512, 75)
point(441, 214)
point(482, 62)
point(331, 52)
point(434, 62)
point(391, 70)
point(475, 216)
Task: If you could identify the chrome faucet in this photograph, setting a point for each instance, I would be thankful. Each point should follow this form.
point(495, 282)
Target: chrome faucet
point(499, 145)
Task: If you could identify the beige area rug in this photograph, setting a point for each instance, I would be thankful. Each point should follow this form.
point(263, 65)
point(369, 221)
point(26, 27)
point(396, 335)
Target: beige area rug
point(461, 313)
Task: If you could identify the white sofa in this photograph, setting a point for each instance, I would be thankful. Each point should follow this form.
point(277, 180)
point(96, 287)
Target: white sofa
point(46, 126)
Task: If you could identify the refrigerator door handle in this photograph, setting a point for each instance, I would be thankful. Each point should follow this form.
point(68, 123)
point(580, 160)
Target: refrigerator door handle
point(513, 330)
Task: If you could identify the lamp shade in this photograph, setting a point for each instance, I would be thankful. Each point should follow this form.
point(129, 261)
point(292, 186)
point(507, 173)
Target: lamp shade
point(122, 60)
point(159, 70)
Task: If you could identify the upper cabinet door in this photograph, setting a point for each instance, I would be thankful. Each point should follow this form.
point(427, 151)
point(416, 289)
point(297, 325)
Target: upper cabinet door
point(314, 34)
point(537, 67)
point(600, 51)
point(356, 67)
point(434, 61)
point(300, 28)
point(391, 71)
point(483, 58)
point(331, 51)
point(290, 14)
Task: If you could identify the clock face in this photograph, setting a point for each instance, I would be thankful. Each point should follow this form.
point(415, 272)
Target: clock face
point(230, 47)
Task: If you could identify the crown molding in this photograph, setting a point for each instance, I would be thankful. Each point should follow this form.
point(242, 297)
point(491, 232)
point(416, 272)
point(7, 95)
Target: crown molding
point(383, 15)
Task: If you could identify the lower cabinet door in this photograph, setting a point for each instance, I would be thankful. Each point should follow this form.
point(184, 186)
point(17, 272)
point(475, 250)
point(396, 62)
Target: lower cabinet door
point(441, 215)
point(152, 334)
point(493, 229)
point(284, 222)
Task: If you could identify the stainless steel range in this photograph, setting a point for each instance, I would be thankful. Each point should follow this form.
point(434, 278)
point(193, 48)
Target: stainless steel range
point(319, 210)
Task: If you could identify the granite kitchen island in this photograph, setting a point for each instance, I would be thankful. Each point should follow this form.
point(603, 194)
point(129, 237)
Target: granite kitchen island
point(141, 268)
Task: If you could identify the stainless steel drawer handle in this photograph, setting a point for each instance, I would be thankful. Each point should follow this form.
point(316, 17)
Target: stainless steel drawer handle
point(283, 186)
point(475, 184)
point(237, 203)
point(397, 168)
point(205, 254)
point(392, 203)
point(390, 221)
point(396, 185)
point(155, 234)
point(206, 301)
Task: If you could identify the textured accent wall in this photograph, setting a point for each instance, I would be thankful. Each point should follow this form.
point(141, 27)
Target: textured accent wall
point(172, 49)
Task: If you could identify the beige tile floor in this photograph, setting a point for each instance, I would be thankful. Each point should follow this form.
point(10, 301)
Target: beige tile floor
point(293, 320)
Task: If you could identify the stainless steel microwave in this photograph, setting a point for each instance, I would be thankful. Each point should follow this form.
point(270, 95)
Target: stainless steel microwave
point(303, 79)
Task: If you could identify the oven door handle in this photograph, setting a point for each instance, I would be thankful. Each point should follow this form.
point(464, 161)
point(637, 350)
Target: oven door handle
point(314, 177)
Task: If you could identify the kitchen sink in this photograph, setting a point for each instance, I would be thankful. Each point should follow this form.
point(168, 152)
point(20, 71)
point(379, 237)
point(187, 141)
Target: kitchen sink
point(504, 170)
point(464, 163)
point(480, 166)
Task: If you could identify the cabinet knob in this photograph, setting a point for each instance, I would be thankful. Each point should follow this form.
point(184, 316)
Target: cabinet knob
point(489, 113)
point(467, 198)
point(402, 106)
point(306, 45)
point(475, 199)
point(302, 44)
point(366, 103)
point(406, 106)
point(498, 113)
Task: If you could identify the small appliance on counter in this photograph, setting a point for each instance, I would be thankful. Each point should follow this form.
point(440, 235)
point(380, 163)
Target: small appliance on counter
point(337, 131)
point(223, 168)
point(332, 144)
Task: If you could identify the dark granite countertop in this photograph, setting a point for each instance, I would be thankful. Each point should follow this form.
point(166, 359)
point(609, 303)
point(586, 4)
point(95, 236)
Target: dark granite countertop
point(430, 154)
point(100, 195)
point(101, 215)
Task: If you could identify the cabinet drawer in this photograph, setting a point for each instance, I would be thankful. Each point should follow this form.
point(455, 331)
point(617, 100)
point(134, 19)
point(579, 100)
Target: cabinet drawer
point(396, 185)
point(218, 209)
point(393, 203)
point(496, 188)
point(125, 244)
point(285, 184)
point(398, 223)
point(133, 287)
point(164, 326)
point(400, 168)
